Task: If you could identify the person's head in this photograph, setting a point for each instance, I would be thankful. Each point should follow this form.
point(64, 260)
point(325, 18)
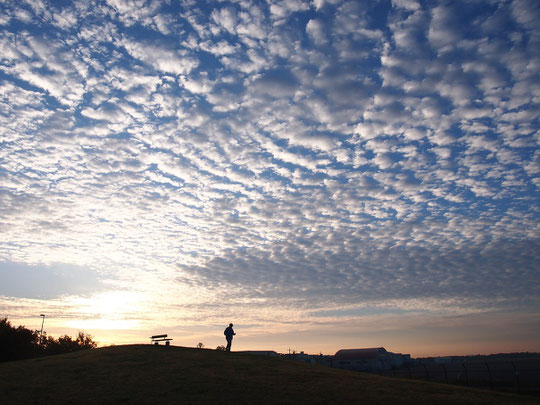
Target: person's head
point(231, 325)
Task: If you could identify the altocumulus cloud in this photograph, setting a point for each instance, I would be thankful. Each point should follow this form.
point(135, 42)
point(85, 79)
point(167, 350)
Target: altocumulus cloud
point(304, 154)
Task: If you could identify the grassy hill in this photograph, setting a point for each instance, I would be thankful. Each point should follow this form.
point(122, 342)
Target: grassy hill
point(158, 374)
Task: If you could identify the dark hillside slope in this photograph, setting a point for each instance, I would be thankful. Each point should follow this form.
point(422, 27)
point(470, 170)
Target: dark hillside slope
point(159, 374)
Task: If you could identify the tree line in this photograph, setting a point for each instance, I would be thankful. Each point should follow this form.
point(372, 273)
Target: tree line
point(17, 343)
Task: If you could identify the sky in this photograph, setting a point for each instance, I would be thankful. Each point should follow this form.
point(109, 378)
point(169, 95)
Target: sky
point(324, 174)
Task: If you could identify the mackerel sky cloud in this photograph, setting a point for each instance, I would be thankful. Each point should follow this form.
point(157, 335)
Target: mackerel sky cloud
point(325, 174)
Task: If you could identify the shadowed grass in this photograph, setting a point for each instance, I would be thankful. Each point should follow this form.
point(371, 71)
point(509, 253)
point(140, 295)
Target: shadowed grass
point(158, 374)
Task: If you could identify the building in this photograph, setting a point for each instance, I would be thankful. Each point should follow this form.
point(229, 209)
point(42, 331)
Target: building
point(267, 353)
point(372, 359)
point(310, 358)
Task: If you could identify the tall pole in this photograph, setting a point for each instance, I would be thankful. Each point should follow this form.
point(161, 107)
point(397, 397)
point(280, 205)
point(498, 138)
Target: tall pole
point(41, 334)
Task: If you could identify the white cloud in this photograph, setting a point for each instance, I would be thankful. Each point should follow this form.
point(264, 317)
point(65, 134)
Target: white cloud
point(131, 12)
point(443, 31)
point(226, 18)
point(315, 29)
point(273, 84)
point(406, 4)
point(162, 59)
point(282, 8)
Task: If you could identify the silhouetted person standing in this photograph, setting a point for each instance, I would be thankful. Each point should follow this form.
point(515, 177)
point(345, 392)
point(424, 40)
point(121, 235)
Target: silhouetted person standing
point(229, 333)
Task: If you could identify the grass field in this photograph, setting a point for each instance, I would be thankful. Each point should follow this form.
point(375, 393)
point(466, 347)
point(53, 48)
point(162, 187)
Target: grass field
point(158, 374)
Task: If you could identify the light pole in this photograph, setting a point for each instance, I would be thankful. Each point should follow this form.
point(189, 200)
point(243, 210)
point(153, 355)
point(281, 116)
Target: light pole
point(41, 334)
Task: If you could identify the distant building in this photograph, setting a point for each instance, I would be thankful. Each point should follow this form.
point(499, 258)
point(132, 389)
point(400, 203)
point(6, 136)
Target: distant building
point(371, 359)
point(443, 360)
point(310, 358)
point(400, 360)
point(267, 353)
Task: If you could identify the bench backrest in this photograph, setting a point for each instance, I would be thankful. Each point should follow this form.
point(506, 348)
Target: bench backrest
point(158, 336)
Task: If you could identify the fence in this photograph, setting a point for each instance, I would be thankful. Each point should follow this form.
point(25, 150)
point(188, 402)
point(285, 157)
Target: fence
point(519, 376)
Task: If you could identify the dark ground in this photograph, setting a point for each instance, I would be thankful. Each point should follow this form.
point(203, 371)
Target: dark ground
point(167, 375)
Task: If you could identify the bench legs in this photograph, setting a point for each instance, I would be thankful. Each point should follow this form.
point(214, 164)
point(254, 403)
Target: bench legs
point(156, 342)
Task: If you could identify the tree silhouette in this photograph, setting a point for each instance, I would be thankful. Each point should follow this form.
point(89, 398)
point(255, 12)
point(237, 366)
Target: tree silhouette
point(21, 343)
point(17, 343)
point(65, 344)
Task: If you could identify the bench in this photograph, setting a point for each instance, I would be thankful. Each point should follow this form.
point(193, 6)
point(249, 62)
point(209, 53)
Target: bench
point(160, 338)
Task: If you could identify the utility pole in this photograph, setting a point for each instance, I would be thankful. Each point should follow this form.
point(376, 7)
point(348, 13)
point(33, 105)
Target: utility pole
point(41, 334)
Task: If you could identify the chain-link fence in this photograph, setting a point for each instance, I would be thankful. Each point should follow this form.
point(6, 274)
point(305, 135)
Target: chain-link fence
point(519, 376)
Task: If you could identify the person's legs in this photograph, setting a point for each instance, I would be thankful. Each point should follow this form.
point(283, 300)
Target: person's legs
point(229, 341)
